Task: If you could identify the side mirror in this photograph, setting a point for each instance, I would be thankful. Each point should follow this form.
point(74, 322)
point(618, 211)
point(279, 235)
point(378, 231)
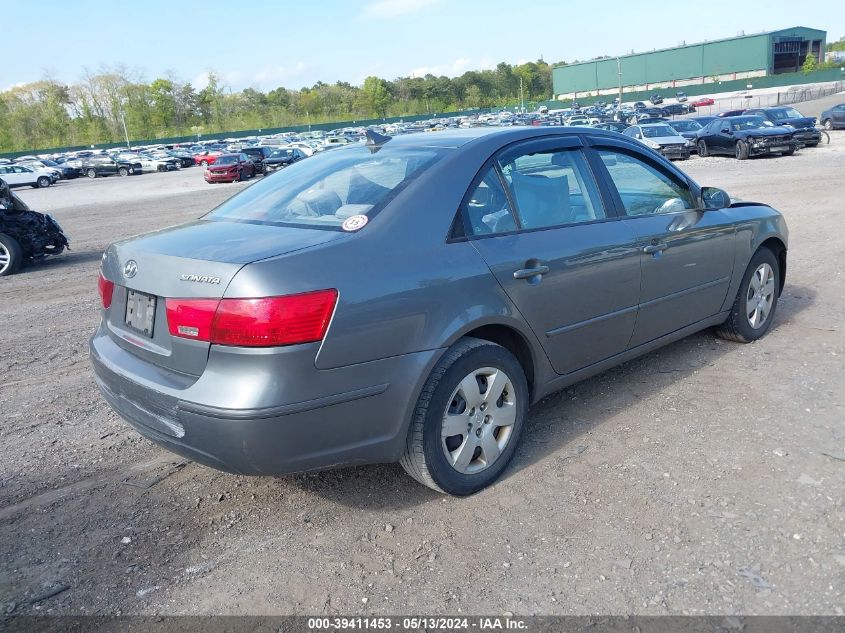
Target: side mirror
point(713, 198)
point(726, 130)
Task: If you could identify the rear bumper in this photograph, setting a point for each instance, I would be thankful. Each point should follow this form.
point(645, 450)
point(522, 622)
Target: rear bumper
point(318, 418)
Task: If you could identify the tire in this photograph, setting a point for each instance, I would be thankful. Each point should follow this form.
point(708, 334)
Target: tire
point(123, 171)
point(741, 150)
point(204, 163)
point(816, 144)
point(240, 176)
point(161, 168)
point(11, 255)
point(91, 173)
point(702, 149)
point(440, 463)
point(43, 182)
point(789, 152)
point(828, 124)
point(739, 327)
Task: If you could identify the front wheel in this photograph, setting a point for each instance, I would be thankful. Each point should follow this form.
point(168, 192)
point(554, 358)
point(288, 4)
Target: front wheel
point(468, 419)
point(755, 304)
point(741, 150)
point(91, 173)
point(702, 149)
point(123, 171)
point(43, 182)
point(204, 163)
point(11, 255)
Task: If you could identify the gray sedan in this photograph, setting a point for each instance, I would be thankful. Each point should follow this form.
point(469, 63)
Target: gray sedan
point(406, 299)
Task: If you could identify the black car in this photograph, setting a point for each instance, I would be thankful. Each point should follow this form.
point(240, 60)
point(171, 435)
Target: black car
point(688, 128)
point(702, 120)
point(656, 99)
point(639, 105)
point(185, 159)
point(651, 119)
point(25, 235)
point(258, 155)
point(805, 126)
point(94, 166)
point(677, 108)
point(834, 118)
point(745, 136)
point(282, 158)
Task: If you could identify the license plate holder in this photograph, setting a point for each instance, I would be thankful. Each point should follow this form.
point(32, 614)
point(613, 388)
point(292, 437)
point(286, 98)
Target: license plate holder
point(140, 312)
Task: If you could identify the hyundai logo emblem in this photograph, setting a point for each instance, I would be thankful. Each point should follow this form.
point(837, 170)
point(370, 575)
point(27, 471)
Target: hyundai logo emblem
point(131, 269)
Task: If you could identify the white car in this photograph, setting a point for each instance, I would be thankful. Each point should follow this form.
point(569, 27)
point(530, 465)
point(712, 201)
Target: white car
point(19, 176)
point(150, 163)
point(37, 164)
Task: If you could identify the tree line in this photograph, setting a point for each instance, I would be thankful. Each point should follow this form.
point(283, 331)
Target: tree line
point(49, 113)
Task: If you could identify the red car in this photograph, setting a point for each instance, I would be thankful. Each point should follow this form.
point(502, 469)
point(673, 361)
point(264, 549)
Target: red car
point(230, 168)
point(207, 158)
point(704, 101)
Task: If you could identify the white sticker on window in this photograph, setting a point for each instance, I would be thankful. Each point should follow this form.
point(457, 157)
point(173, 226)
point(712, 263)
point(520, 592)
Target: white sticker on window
point(354, 222)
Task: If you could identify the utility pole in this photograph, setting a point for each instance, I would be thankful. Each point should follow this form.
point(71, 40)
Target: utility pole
point(521, 97)
point(125, 132)
point(619, 73)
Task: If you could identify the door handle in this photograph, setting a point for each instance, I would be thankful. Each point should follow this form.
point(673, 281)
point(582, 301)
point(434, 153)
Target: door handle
point(527, 273)
point(657, 247)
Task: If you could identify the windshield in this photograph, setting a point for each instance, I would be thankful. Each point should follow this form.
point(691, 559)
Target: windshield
point(226, 160)
point(786, 113)
point(328, 188)
point(657, 131)
point(686, 126)
point(749, 123)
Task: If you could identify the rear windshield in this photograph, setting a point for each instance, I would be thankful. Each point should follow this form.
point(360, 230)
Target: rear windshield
point(324, 190)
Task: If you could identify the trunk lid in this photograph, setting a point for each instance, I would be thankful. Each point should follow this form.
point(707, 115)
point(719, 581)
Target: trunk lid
point(197, 260)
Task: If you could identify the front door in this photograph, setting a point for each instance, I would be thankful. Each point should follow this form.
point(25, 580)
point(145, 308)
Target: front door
point(570, 267)
point(687, 254)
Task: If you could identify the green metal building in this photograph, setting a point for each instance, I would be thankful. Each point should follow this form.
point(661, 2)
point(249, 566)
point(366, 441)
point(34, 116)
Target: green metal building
point(739, 57)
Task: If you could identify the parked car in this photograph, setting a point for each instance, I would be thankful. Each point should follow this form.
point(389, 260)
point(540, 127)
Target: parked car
point(745, 136)
point(676, 108)
point(834, 118)
point(185, 159)
point(343, 311)
point(65, 172)
point(283, 157)
point(639, 105)
point(151, 163)
point(703, 101)
point(646, 120)
point(25, 235)
point(21, 176)
point(230, 168)
point(258, 155)
point(207, 157)
point(728, 113)
point(102, 165)
point(661, 138)
point(805, 126)
point(656, 99)
point(689, 129)
point(681, 96)
point(702, 120)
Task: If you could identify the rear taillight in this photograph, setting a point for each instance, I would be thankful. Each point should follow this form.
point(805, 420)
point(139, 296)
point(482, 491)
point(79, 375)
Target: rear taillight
point(106, 289)
point(265, 322)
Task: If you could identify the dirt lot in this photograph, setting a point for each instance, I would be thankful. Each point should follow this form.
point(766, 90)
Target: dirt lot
point(704, 478)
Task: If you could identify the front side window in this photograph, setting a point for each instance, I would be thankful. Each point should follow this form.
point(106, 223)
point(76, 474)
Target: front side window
point(551, 188)
point(643, 188)
point(328, 188)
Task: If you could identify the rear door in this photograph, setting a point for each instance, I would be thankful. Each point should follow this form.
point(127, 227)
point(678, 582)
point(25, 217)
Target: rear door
point(541, 223)
point(687, 254)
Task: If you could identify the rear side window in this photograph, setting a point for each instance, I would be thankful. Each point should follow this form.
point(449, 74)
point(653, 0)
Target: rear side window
point(552, 188)
point(326, 189)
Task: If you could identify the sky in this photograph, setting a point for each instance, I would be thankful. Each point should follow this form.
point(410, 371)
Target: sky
point(265, 44)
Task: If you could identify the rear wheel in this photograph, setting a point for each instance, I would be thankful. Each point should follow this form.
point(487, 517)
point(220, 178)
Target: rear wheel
point(828, 124)
point(11, 255)
point(468, 419)
point(741, 150)
point(756, 301)
point(91, 173)
point(702, 149)
point(123, 171)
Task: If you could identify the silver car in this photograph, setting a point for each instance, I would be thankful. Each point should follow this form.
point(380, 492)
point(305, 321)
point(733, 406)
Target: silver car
point(406, 299)
point(663, 138)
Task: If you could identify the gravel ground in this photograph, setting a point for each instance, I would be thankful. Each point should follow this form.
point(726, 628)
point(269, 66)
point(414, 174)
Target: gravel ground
point(706, 477)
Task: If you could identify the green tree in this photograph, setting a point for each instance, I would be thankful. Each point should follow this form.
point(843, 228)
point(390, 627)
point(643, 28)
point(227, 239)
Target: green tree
point(810, 63)
point(377, 95)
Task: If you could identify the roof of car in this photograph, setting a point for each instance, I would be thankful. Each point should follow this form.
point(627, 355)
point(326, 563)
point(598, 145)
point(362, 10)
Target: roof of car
point(454, 138)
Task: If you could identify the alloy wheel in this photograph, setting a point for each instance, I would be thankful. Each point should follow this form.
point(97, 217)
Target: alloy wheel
point(5, 258)
point(760, 296)
point(479, 420)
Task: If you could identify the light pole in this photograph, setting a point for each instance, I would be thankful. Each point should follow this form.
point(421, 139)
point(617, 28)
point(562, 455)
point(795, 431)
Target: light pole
point(619, 74)
point(521, 97)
